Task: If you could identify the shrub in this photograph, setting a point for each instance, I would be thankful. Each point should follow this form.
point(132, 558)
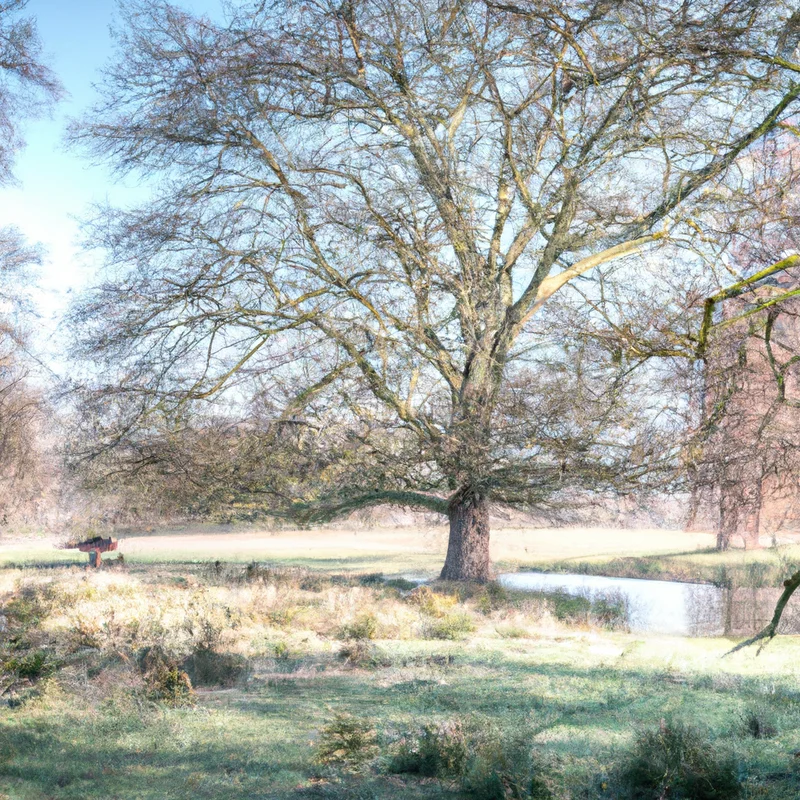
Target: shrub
point(759, 723)
point(362, 653)
point(401, 584)
point(313, 583)
point(364, 626)
point(676, 762)
point(430, 602)
point(166, 682)
point(347, 741)
point(570, 608)
point(371, 579)
point(439, 750)
point(453, 626)
point(511, 632)
point(281, 651)
point(610, 612)
point(173, 687)
point(492, 597)
point(500, 768)
point(31, 666)
point(209, 668)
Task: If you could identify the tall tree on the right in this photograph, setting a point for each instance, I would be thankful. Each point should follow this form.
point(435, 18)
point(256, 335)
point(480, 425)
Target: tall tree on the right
point(746, 466)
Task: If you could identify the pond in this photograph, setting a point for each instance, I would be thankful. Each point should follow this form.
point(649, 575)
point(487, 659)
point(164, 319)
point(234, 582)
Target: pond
point(666, 607)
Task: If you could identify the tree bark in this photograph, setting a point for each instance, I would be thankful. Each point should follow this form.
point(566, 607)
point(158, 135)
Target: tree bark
point(468, 545)
point(728, 517)
point(752, 513)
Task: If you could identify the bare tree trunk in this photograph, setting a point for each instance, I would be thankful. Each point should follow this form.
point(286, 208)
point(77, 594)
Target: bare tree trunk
point(728, 516)
point(694, 502)
point(752, 517)
point(468, 545)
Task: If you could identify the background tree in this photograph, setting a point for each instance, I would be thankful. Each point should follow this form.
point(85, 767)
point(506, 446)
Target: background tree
point(27, 87)
point(384, 214)
point(749, 458)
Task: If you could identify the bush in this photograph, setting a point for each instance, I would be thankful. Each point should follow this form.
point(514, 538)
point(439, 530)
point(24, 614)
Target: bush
point(362, 627)
point(570, 608)
point(166, 682)
point(493, 596)
point(610, 612)
point(209, 668)
point(500, 769)
point(511, 632)
point(453, 626)
point(361, 653)
point(347, 741)
point(487, 765)
point(431, 603)
point(401, 584)
point(171, 686)
point(281, 651)
point(371, 579)
point(759, 723)
point(439, 750)
point(31, 666)
point(676, 762)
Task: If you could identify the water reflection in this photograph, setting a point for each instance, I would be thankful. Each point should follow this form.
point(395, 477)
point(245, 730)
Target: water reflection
point(667, 607)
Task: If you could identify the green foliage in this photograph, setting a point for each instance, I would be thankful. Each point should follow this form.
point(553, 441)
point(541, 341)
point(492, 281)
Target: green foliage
point(209, 668)
point(492, 597)
point(430, 602)
point(171, 686)
point(610, 612)
point(439, 750)
point(31, 666)
point(453, 626)
point(362, 653)
point(401, 584)
point(570, 608)
point(758, 722)
point(371, 579)
point(166, 681)
point(365, 626)
point(281, 651)
point(677, 762)
point(347, 741)
point(502, 768)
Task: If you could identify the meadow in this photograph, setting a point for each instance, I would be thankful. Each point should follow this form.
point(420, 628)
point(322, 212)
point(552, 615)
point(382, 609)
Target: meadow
point(307, 665)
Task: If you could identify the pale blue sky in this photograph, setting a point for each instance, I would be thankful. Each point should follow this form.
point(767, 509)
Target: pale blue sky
point(57, 186)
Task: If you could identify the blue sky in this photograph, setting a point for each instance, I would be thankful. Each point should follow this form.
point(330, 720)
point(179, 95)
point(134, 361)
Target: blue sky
point(56, 186)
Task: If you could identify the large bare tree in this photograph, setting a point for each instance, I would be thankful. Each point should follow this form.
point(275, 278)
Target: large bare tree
point(391, 214)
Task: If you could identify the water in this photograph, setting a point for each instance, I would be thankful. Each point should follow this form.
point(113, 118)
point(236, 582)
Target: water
point(666, 607)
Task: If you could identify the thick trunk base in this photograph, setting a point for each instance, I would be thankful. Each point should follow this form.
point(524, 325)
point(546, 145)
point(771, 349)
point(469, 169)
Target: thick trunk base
point(468, 546)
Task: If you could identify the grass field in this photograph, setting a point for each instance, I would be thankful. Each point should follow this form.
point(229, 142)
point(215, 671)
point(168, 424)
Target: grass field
point(515, 695)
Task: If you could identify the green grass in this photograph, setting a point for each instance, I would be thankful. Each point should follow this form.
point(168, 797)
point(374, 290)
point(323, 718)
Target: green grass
point(582, 707)
point(524, 669)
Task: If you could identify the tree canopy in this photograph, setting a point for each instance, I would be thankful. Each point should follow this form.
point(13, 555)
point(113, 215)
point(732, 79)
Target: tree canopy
point(27, 87)
point(460, 237)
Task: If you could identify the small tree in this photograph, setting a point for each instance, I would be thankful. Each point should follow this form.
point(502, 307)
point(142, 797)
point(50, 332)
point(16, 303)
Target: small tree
point(388, 215)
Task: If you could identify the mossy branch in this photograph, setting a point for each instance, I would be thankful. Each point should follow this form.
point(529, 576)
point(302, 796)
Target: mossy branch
point(739, 288)
point(769, 632)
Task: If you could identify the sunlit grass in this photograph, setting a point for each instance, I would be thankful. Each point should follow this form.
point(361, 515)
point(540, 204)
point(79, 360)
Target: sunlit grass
point(576, 693)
